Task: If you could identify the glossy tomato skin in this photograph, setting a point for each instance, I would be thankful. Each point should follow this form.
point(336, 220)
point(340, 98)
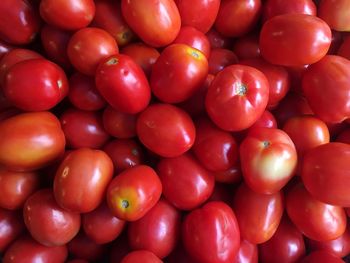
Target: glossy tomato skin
point(88, 46)
point(141, 256)
point(24, 21)
point(123, 84)
point(68, 15)
point(157, 23)
point(325, 173)
point(47, 222)
point(158, 231)
point(30, 141)
point(211, 233)
point(237, 17)
point(266, 120)
point(16, 187)
point(101, 226)
point(220, 58)
point(35, 85)
point(315, 219)
point(188, 67)
point(133, 192)
point(280, 39)
point(166, 130)
point(202, 17)
point(326, 83)
point(27, 250)
point(11, 226)
point(286, 245)
point(321, 257)
point(217, 40)
point(238, 87)
point(186, 184)
point(81, 180)
point(247, 47)
point(335, 14)
point(268, 159)
point(247, 253)
point(258, 215)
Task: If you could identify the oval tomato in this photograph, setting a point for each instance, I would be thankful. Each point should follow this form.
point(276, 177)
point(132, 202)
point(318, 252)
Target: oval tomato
point(141, 256)
point(248, 253)
point(335, 14)
point(11, 226)
point(220, 58)
point(321, 257)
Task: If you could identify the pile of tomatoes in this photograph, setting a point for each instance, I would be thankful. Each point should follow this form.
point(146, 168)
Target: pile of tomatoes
point(148, 131)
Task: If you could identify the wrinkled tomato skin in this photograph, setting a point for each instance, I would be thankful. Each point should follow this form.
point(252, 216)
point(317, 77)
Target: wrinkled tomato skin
point(315, 219)
point(325, 173)
point(30, 141)
point(241, 87)
point(280, 39)
point(157, 23)
point(258, 215)
point(211, 233)
point(335, 14)
point(81, 180)
point(47, 222)
point(321, 257)
point(123, 84)
point(141, 256)
point(11, 226)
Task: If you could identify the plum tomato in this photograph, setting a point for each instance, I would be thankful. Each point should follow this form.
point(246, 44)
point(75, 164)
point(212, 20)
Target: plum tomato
point(321, 257)
point(335, 14)
point(220, 58)
point(11, 227)
point(141, 256)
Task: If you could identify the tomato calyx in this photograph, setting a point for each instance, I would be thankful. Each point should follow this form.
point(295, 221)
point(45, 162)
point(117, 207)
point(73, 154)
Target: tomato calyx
point(241, 89)
point(112, 61)
point(125, 204)
point(266, 144)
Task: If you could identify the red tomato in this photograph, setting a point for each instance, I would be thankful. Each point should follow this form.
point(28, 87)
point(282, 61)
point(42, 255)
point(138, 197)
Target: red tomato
point(266, 120)
point(211, 233)
point(166, 130)
point(344, 49)
point(88, 47)
point(157, 23)
point(258, 215)
point(321, 257)
point(101, 226)
point(335, 14)
point(238, 87)
point(47, 222)
point(30, 141)
point(35, 85)
point(16, 187)
point(67, 14)
point(220, 58)
point(27, 250)
point(217, 40)
point(186, 184)
point(294, 39)
point(248, 253)
point(325, 84)
point(141, 256)
point(133, 192)
point(19, 22)
point(202, 17)
point(11, 226)
point(325, 172)
point(158, 231)
point(230, 176)
point(82, 179)
point(268, 159)
point(4, 48)
point(247, 47)
point(188, 67)
point(286, 245)
point(315, 219)
point(123, 84)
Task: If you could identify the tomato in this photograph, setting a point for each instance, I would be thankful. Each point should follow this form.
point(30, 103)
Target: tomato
point(133, 192)
point(11, 226)
point(47, 222)
point(101, 226)
point(211, 233)
point(238, 87)
point(35, 85)
point(108, 16)
point(186, 184)
point(217, 40)
point(247, 47)
point(334, 13)
point(157, 23)
point(216, 149)
point(315, 219)
point(141, 256)
point(286, 245)
point(68, 15)
point(27, 250)
point(325, 172)
point(268, 159)
point(258, 215)
point(166, 130)
point(83, 128)
point(24, 21)
point(294, 39)
point(30, 141)
point(229, 176)
point(4, 48)
point(88, 47)
point(81, 180)
point(344, 50)
point(202, 17)
point(188, 67)
point(16, 187)
point(325, 84)
point(123, 84)
point(220, 58)
point(266, 120)
point(321, 257)
point(158, 231)
point(248, 253)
